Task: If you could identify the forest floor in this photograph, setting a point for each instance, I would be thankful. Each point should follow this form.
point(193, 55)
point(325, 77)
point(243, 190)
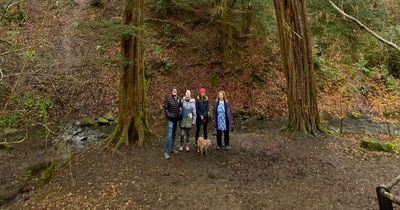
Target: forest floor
point(266, 169)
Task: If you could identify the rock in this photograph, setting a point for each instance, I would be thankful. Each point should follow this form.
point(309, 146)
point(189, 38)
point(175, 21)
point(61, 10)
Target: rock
point(82, 138)
point(87, 122)
point(109, 116)
point(77, 131)
point(376, 145)
point(103, 121)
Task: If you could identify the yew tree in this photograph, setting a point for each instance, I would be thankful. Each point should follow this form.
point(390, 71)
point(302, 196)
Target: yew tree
point(296, 54)
point(132, 124)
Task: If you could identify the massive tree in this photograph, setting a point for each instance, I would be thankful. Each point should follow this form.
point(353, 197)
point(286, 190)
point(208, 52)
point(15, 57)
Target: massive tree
point(227, 31)
point(132, 124)
point(296, 54)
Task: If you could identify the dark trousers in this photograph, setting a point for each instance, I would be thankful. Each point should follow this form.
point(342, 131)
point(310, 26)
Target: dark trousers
point(219, 138)
point(198, 127)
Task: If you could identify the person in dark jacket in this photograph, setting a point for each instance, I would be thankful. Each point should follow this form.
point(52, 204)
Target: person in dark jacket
point(223, 120)
point(173, 113)
point(202, 114)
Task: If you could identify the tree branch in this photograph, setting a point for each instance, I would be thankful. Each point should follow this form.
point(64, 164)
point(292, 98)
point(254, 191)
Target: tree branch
point(169, 22)
point(365, 27)
point(14, 142)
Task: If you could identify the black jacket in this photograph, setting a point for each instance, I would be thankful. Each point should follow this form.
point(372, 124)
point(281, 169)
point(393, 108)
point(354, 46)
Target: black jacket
point(173, 108)
point(201, 109)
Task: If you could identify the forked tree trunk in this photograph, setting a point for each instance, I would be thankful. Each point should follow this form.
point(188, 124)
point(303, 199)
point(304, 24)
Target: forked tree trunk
point(297, 62)
point(132, 124)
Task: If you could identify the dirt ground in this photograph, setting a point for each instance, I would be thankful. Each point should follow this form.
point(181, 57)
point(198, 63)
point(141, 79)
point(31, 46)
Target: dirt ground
point(266, 169)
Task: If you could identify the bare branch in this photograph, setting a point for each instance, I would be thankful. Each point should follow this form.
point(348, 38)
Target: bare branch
point(14, 142)
point(365, 27)
point(169, 22)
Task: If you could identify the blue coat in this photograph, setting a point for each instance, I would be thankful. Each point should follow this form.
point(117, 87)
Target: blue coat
point(228, 114)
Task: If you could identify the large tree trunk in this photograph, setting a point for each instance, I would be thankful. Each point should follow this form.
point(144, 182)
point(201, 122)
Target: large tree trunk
point(297, 62)
point(132, 124)
point(226, 23)
point(246, 15)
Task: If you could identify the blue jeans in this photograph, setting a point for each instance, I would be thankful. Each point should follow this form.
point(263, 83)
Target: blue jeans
point(169, 142)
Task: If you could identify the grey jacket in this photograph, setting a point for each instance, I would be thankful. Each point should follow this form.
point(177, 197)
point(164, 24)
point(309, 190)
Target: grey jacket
point(188, 107)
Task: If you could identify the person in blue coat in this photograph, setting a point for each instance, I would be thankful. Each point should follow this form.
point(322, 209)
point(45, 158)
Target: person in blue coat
point(223, 121)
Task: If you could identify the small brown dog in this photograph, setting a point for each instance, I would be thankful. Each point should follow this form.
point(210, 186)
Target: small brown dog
point(203, 145)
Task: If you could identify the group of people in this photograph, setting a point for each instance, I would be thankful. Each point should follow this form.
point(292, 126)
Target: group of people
point(187, 111)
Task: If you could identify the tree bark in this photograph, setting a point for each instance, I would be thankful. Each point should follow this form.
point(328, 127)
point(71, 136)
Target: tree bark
point(246, 16)
point(297, 62)
point(226, 15)
point(132, 124)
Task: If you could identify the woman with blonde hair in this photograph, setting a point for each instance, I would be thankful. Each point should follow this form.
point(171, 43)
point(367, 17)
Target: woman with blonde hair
point(223, 121)
point(188, 119)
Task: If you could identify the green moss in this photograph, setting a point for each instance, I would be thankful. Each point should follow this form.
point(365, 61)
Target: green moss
point(8, 120)
point(87, 121)
point(376, 145)
point(37, 106)
point(103, 121)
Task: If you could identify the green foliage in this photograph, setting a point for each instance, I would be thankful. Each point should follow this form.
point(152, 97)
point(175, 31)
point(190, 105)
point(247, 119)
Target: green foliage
point(11, 12)
point(29, 55)
point(379, 73)
point(325, 68)
point(49, 172)
point(326, 71)
point(364, 90)
point(392, 83)
point(37, 106)
point(334, 33)
point(362, 65)
point(156, 48)
point(164, 65)
point(263, 17)
point(8, 120)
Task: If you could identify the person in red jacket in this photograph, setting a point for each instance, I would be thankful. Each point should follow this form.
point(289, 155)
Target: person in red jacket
point(202, 114)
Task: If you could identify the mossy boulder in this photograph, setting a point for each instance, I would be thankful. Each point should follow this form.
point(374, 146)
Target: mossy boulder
point(109, 116)
point(103, 121)
point(376, 145)
point(87, 121)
